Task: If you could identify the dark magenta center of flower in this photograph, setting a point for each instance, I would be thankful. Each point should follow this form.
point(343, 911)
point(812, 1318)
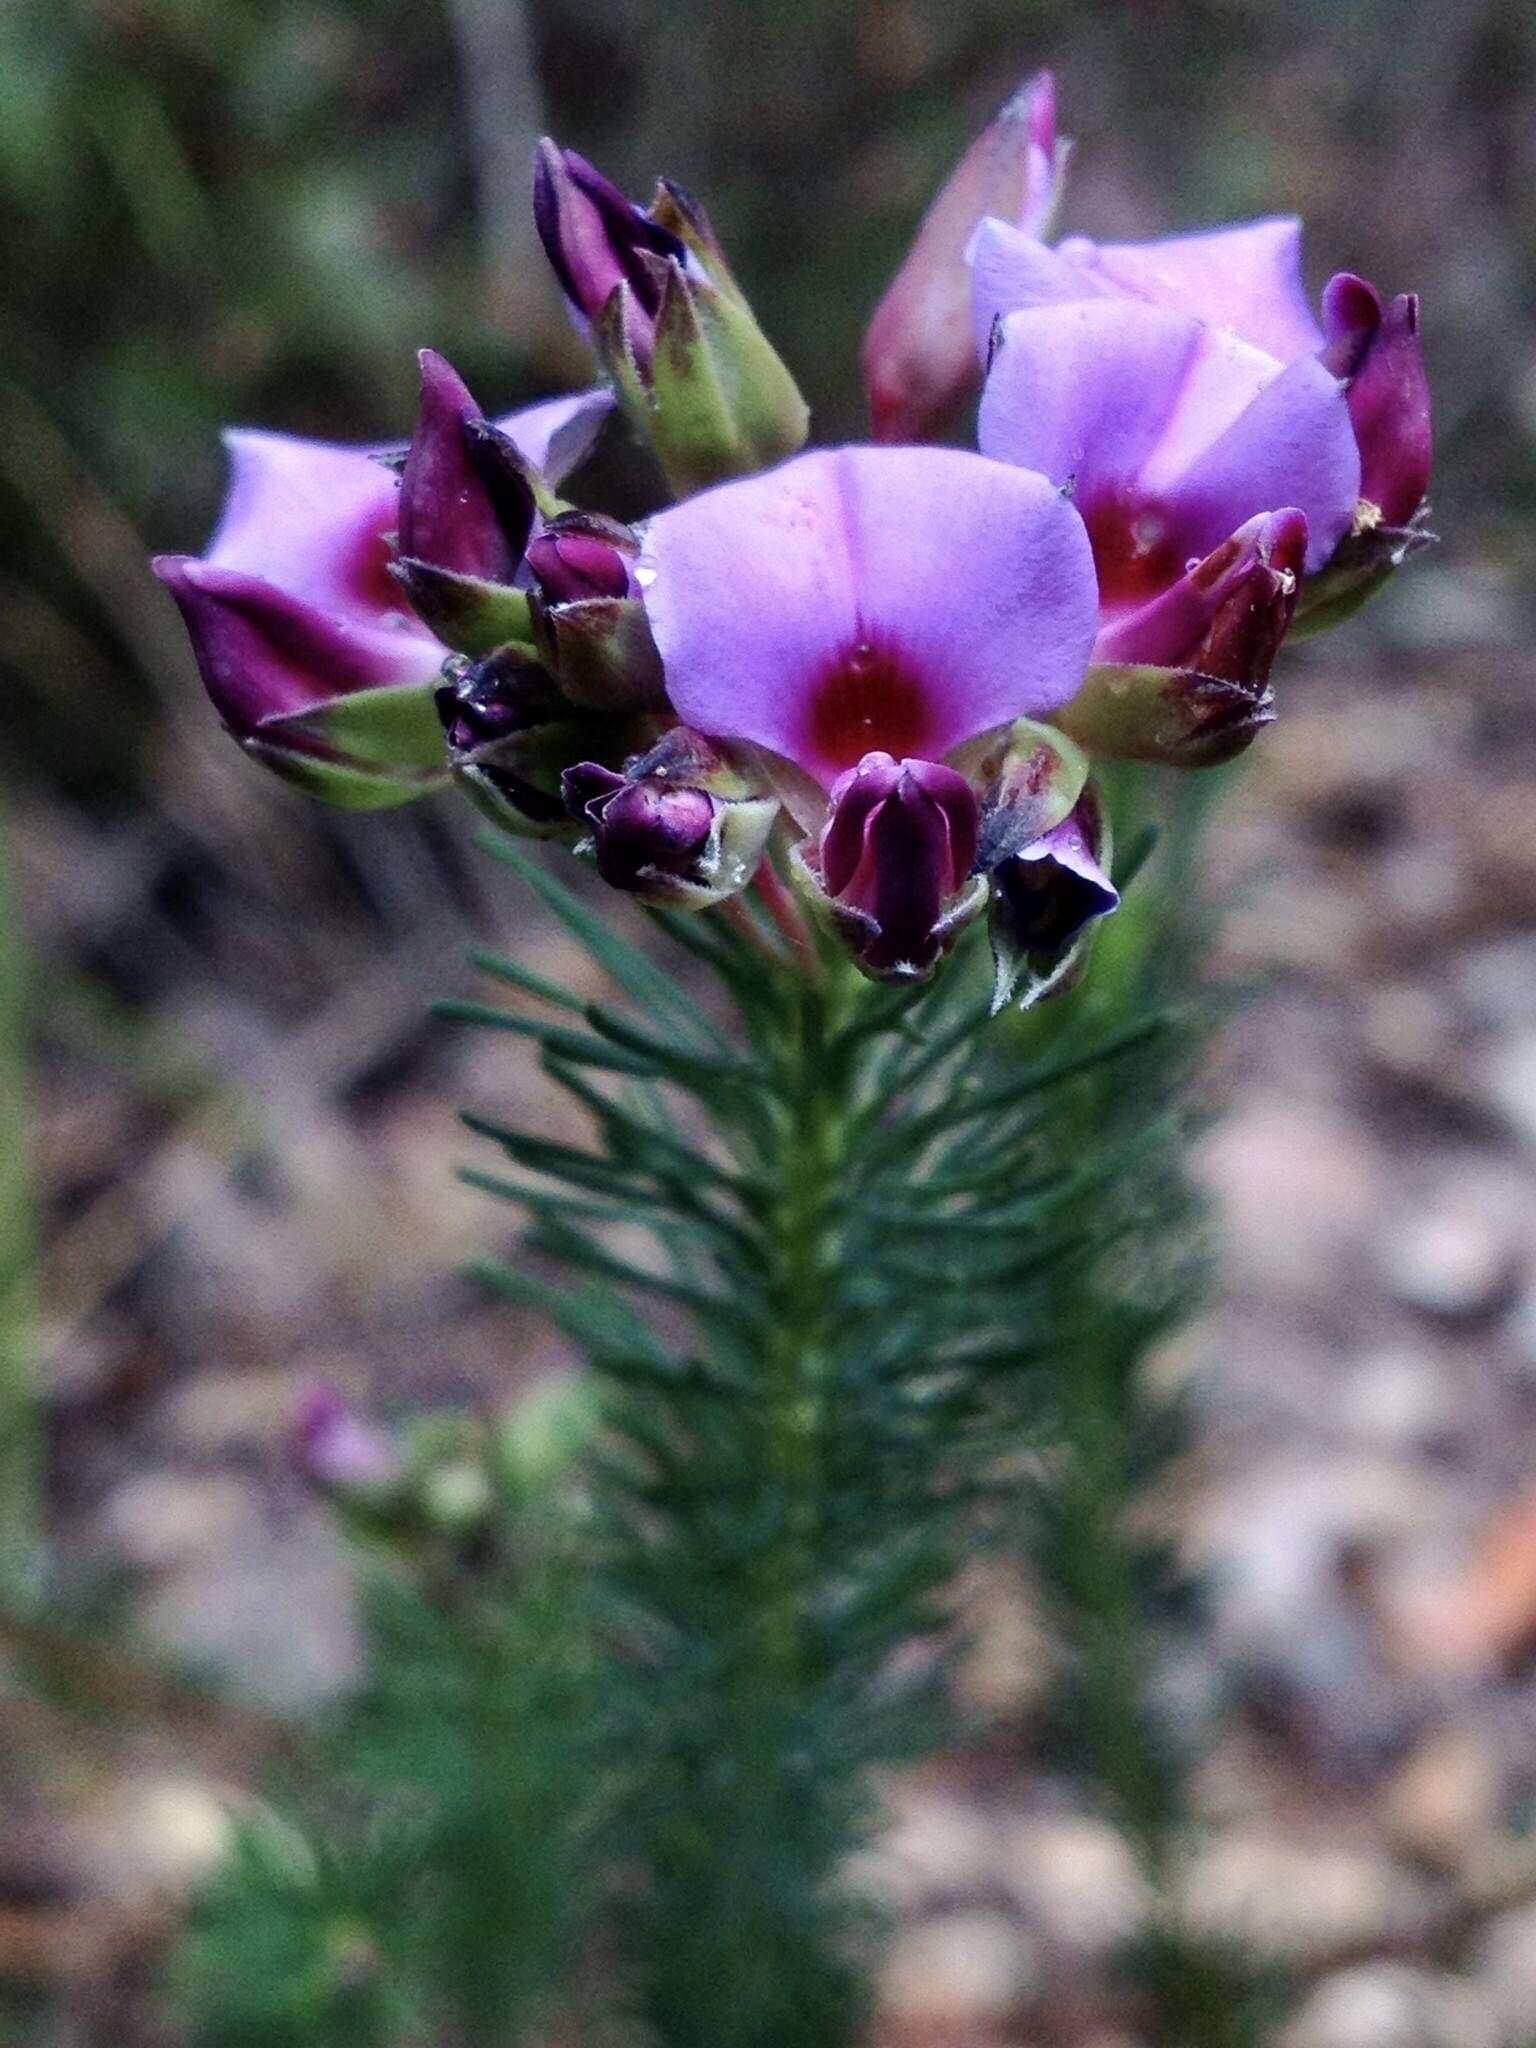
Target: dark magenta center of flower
point(866, 698)
point(1136, 549)
point(368, 558)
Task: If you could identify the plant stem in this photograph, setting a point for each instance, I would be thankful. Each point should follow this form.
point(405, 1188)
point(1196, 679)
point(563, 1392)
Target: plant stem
point(743, 1932)
point(799, 1353)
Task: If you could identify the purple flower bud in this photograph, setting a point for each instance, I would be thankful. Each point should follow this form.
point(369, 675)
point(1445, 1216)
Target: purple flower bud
point(642, 828)
point(919, 358)
point(1044, 902)
point(596, 239)
point(894, 855)
point(571, 565)
point(263, 654)
point(338, 1452)
point(491, 700)
point(341, 708)
point(462, 508)
point(1226, 615)
point(1184, 679)
point(1376, 349)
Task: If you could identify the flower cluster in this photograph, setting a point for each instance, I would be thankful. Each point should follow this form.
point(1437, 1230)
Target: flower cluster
point(889, 666)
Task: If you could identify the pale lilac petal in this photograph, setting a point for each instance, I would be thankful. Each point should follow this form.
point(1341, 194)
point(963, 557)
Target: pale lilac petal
point(1157, 419)
point(1294, 445)
point(1223, 379)
point(1012, 269)
point(558, 434)
point(310, 517)
point(933, 593)
point(1085, 392)
point(1247, 279)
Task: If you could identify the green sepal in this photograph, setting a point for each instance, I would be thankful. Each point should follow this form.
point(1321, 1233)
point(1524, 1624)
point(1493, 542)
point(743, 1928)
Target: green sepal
point(1172, 717)
point(772, 418)
point(696, 438)
point(601, 651)
point(1033, 776)
point(713, 400)
point(466, 612)
point(395, 727)
point(1358, 567)
point(494, 799)
point(346, 787)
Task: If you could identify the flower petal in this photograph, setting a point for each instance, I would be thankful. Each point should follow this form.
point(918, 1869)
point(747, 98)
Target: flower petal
point(1246, 278)
point(262, 652)
point(311, 516)
point(1012, 269)
point(1130, 403)
point(1294, 446)
point(946, 593)
point(558, 434)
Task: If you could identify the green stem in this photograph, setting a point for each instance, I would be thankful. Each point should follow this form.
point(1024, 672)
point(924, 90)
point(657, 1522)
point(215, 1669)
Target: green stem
point(802, 1239)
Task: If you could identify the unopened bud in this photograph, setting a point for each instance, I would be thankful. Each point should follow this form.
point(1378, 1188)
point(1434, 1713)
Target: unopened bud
point(891, 874)
point(1045, 899)
point(1184, 679)
point(342, 710)
point(657, 832)
point(919, 358)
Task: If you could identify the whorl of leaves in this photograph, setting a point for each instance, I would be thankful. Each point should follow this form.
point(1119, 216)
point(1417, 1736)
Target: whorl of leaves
point(862, 1282)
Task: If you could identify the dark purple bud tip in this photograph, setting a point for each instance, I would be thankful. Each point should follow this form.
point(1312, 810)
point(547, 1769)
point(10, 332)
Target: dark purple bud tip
point(573, 566)
point(1351, 316)
point(1389, 410)
point(493, 699)
point(1045, 897)
point(640, 828)
point(899, 842)
point(1257, 600)
point(595, 238)
point(458, 511)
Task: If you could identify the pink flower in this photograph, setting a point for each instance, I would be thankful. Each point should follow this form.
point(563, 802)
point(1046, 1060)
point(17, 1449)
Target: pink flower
point(1184, 386)
point(1181, 387)
point(859, 615)
point(305, 641)
point(903, 600)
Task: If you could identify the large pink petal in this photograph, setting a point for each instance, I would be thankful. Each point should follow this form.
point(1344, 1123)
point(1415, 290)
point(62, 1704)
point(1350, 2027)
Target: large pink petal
point(902, 599)
point(1012, 269)
point(1167, 429)
point(1295, 446)
point(311, 516)
point(1086, 392)
point(1246, 278)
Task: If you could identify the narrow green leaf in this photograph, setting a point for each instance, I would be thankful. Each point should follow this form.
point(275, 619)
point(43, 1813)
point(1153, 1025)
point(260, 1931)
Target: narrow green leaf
point(515, 975)
point(624, 964)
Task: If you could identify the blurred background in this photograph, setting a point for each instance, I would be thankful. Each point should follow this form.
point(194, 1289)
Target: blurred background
point(226, 1161)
